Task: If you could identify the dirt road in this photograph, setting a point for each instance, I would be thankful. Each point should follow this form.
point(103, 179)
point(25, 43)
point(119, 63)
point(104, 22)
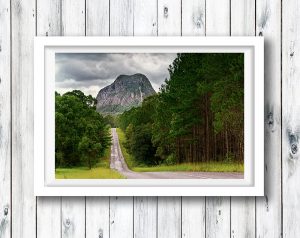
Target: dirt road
point(118, 163)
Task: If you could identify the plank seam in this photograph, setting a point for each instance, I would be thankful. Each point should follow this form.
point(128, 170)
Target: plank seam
point(36, 206)
point(281, 133)
point(11, 114)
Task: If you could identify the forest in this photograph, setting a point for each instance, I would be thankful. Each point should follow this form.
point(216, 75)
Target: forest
point(81, 134)
point(197, 116)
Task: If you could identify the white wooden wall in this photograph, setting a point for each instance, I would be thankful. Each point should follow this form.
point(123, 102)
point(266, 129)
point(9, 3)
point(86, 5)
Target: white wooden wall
point(274, 215)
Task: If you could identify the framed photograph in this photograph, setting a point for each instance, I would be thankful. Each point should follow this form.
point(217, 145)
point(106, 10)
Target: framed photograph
point(149, 116)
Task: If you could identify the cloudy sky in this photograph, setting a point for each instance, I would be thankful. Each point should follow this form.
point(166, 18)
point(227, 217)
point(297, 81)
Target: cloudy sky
point(89, 72)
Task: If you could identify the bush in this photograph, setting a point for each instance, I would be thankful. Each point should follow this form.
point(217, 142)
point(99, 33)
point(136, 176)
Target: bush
point(170, 160)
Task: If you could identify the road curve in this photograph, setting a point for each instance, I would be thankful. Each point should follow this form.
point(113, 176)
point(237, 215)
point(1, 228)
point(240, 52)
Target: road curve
point(117, 162)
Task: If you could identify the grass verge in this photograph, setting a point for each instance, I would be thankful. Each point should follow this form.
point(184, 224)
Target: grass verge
point(196, 167)
point(192, 167)
point(101, 171)
point(128, 157)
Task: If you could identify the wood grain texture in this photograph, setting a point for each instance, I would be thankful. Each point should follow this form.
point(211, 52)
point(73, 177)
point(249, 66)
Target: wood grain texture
point(169, 217)
point(193, 17)
point(97, 208)
point(97, 217)
point(242, 18)
point(145, 208)
point(242, 208)
point(5, 120)
point(145, 18)
point(145, 217)
point(193, 217)
point(97, 18)
point(218, 17)
point(125, 217)
point(169, 17)
point(73, 217)
point(268, 208)
point(73, 208)
point(121, 208)
point(48, 19)
point(193, 208)
point(290, 117)
point(121, 217)
point(218, 208)
point(48, 23)
point(121, 17)
point(48, 217)
point(242, 217)
point(23, 200)
point(169, 208)
point(73, 17)
point(217, 217)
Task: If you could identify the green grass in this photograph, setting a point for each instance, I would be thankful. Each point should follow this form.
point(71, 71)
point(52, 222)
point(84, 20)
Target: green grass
point(193, 167)
point(196, 167)
point(128, 157)
point(101, 171)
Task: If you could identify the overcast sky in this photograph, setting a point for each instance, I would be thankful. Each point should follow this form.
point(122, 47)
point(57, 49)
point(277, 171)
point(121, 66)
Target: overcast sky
point(89, 72)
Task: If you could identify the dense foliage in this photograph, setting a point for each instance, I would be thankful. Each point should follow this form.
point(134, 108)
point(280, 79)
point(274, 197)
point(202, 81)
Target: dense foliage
point(81, 133)
point(197, 115)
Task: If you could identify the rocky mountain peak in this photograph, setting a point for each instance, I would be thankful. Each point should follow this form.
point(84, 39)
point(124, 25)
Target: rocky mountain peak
point(125, 92)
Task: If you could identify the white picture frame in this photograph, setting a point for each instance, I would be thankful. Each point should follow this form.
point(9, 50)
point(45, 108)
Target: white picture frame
point(45, 183)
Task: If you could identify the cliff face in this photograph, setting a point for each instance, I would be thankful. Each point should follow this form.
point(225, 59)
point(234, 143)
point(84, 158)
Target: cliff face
point(125, 92)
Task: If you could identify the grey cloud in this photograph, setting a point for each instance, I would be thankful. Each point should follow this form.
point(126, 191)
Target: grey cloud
point(97, 70)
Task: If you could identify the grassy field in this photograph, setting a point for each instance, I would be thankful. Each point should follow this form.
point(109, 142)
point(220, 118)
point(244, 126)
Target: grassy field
point(196, 167)
point(101, 171)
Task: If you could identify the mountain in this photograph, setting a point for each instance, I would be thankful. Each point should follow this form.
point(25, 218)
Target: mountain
point(125, 92)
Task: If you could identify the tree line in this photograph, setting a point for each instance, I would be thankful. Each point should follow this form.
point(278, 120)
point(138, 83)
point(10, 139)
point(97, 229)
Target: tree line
point(81, 133)
point(197, 116)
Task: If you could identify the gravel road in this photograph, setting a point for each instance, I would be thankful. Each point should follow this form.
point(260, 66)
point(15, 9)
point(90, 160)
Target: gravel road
point(118, 163)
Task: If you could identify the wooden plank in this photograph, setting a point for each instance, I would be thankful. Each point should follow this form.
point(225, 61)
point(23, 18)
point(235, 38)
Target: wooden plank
point(73, 217)
point(48, 20)
point(169, 17)
point(169, 208)
point(268, 208)
point(48, 217)
point(121, 208)
point(121, 217)
point(145, 18)
point(193, 208)
point(242, 17)
point(218, 17)
point(5, 121)
point(242, 208)
point(193, 17)
point(73, 209)
point(97, 18)
point(145, 217)
point(242, 217)
point(218, 208)
point(121, 17)
point(145, 208)
point(73, 17)
point(97, 217)
point(169, 217)
point(23, 200)
point(48, 208)
point(97, 208)
point(217, 217)
point(193, 217)
point(290, 117)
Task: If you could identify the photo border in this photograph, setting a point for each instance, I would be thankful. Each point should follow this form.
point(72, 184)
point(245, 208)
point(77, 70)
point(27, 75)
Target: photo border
point(45, 183)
